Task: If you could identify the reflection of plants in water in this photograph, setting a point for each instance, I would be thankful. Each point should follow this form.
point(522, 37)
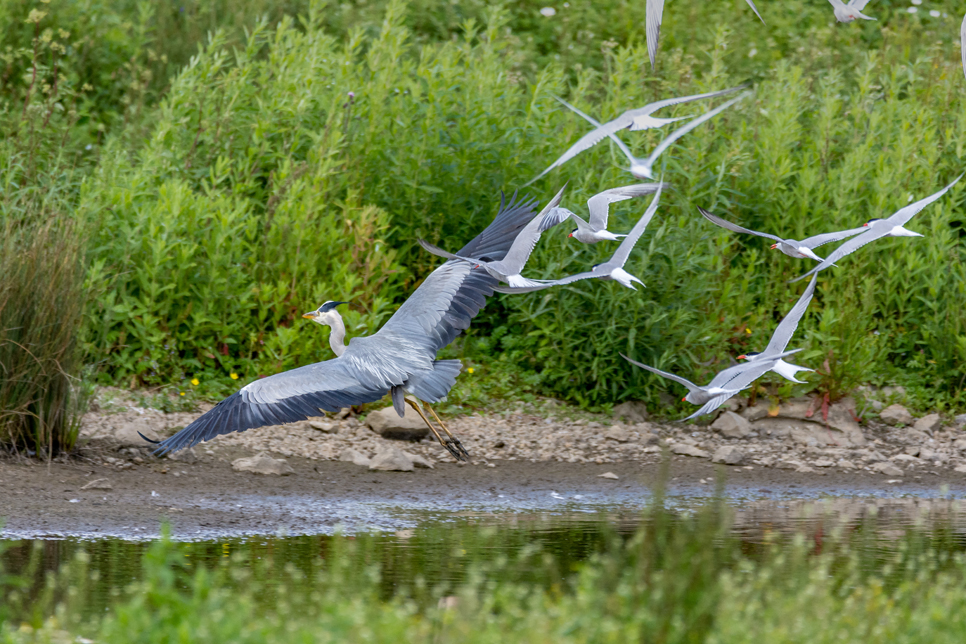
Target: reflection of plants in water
point(666, 577)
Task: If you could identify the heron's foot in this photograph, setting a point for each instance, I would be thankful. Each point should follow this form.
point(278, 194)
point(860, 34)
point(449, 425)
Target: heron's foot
point(450, 442)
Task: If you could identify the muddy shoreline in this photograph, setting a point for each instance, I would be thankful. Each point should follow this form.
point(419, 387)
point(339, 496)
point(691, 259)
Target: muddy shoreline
point(206, 500)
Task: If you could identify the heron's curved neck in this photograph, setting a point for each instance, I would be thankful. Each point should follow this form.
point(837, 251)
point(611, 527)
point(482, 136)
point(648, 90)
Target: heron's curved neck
point(333, 320)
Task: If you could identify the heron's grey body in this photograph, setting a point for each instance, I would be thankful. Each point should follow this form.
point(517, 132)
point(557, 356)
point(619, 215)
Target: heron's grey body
point(643, 168)
point(894, 226)
point(723, 386)
point(654, 16)
point(791, 247)
point(401, 354)
point(612, 269)
point(637, 119)
point(508, 268)
point(851, 11)
point(595, 230)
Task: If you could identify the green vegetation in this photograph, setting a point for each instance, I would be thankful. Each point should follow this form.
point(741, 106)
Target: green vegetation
point(678, 578)
point(219, 195)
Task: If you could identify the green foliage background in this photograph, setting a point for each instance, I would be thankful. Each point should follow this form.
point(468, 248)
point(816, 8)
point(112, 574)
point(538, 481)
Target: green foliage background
point(225, 190)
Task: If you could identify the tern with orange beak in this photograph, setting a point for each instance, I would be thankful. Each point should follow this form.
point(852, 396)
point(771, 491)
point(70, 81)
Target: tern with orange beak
point(599, 205)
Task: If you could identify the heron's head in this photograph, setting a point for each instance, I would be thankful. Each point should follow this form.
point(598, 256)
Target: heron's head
point(320, 314)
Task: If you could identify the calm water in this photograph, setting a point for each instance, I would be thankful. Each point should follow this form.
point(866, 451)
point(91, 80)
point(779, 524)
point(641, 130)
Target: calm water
point(436, 551)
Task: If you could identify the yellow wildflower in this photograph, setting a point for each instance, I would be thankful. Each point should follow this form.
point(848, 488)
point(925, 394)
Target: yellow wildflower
point(233, 375)
point(181, 392)
point(747, 330)
point(195, 382)
point(470, 370)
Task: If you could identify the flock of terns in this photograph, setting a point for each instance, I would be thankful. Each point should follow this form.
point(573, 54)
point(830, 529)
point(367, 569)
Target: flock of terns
point(400, 358)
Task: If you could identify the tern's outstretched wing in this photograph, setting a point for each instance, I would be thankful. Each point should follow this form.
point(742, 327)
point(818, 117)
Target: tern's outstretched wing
point(627, 244)
point(786, 328)
point(653, 16)
point(599, 204)
point(826, 238)
point(522, 247)
point(664, 374)
point(681, 131)
point(724, 223)
point(712, 404)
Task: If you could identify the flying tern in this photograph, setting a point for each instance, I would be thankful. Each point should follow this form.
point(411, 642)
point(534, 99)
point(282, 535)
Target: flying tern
point(725, 385)
point(644, 168)
point(790, 247)
point(851, 11)
point(879, 228)
point(638, 119)
point(612, 269)
point(599, 205)
point(509, 268)
point(653, 16)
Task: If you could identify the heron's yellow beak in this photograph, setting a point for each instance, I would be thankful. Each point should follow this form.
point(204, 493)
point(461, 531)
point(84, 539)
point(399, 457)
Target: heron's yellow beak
point(311, 315)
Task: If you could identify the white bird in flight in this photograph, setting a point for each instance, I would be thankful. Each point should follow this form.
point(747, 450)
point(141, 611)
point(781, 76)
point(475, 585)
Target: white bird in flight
point(644, 168)
point(653, 16)
point(509, 268)
point(599, 205)
point(879, 228)
point(851, 11)
point(612, 269)
point(790, 247)
point(638, 119)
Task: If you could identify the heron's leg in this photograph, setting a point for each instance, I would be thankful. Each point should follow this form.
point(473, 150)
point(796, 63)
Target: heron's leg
point(456, 442)
point(447, 442)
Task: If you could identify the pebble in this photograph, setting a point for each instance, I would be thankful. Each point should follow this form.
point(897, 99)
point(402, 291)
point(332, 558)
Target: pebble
point(392, 459)
point(729, 455)
point(689, 450)
point(895, 414)
point(608, 475)
point(731, 425)
point(262, 464)
point(98, 484)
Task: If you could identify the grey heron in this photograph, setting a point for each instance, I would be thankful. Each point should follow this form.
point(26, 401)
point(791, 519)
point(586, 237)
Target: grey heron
point(595, 230)
point(643, 168)
point(612, 269)
point(507, 269)
point(402, 354)
point(723, 386)
point(654, 16)
point(637, 119)
point(851, 11)
point(790, 247)
point(894, 226)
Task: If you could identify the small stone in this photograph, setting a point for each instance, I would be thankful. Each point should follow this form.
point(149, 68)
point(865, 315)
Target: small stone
point(845, 464)
point(927, 454)
point(804, 469)
point(960, 444)
point(617, 433)
point(731, 425)
point(823, 462)
point(387, 423)
point(350, 455)
point(887, 468)
point(960, 468)
point(648, 439)
point(895, 414)
point(422, 462)
point(929, 423)
point(905, 458)
point(751, 414)
point(912, 450)
point(325, 428)
point(391, 459)
point(98, 484)
point(262, 464)
point(633, 411)
point(959, 421)
point(608, 475)
point(689, 450)
point(728, 455)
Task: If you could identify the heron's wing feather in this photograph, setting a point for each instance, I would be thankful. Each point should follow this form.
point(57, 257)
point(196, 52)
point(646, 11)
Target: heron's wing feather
point(654, 14)
point(678, 133)
point(903, 215)
point(599, 204)
point(724, 223)
point(786, 328)
point(826, 238)
point(627, 244)
point(522, 247)
point(283, 398)
point(664, 374)
point(653, 107)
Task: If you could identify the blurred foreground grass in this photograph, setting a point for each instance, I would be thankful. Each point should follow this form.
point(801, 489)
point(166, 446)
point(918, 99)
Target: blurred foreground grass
point(220, 192)
point(678, 578)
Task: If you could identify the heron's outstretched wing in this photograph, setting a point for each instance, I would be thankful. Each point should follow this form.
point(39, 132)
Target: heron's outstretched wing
point(826, 238)
point(664, 374)
point(724, 223)
point(283, 398)
point(786, 328)
point(599, 204)
point(653, 16)
point(681, 131)
point(627, 244)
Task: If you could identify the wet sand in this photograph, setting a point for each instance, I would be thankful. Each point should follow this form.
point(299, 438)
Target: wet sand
point(205, 500)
